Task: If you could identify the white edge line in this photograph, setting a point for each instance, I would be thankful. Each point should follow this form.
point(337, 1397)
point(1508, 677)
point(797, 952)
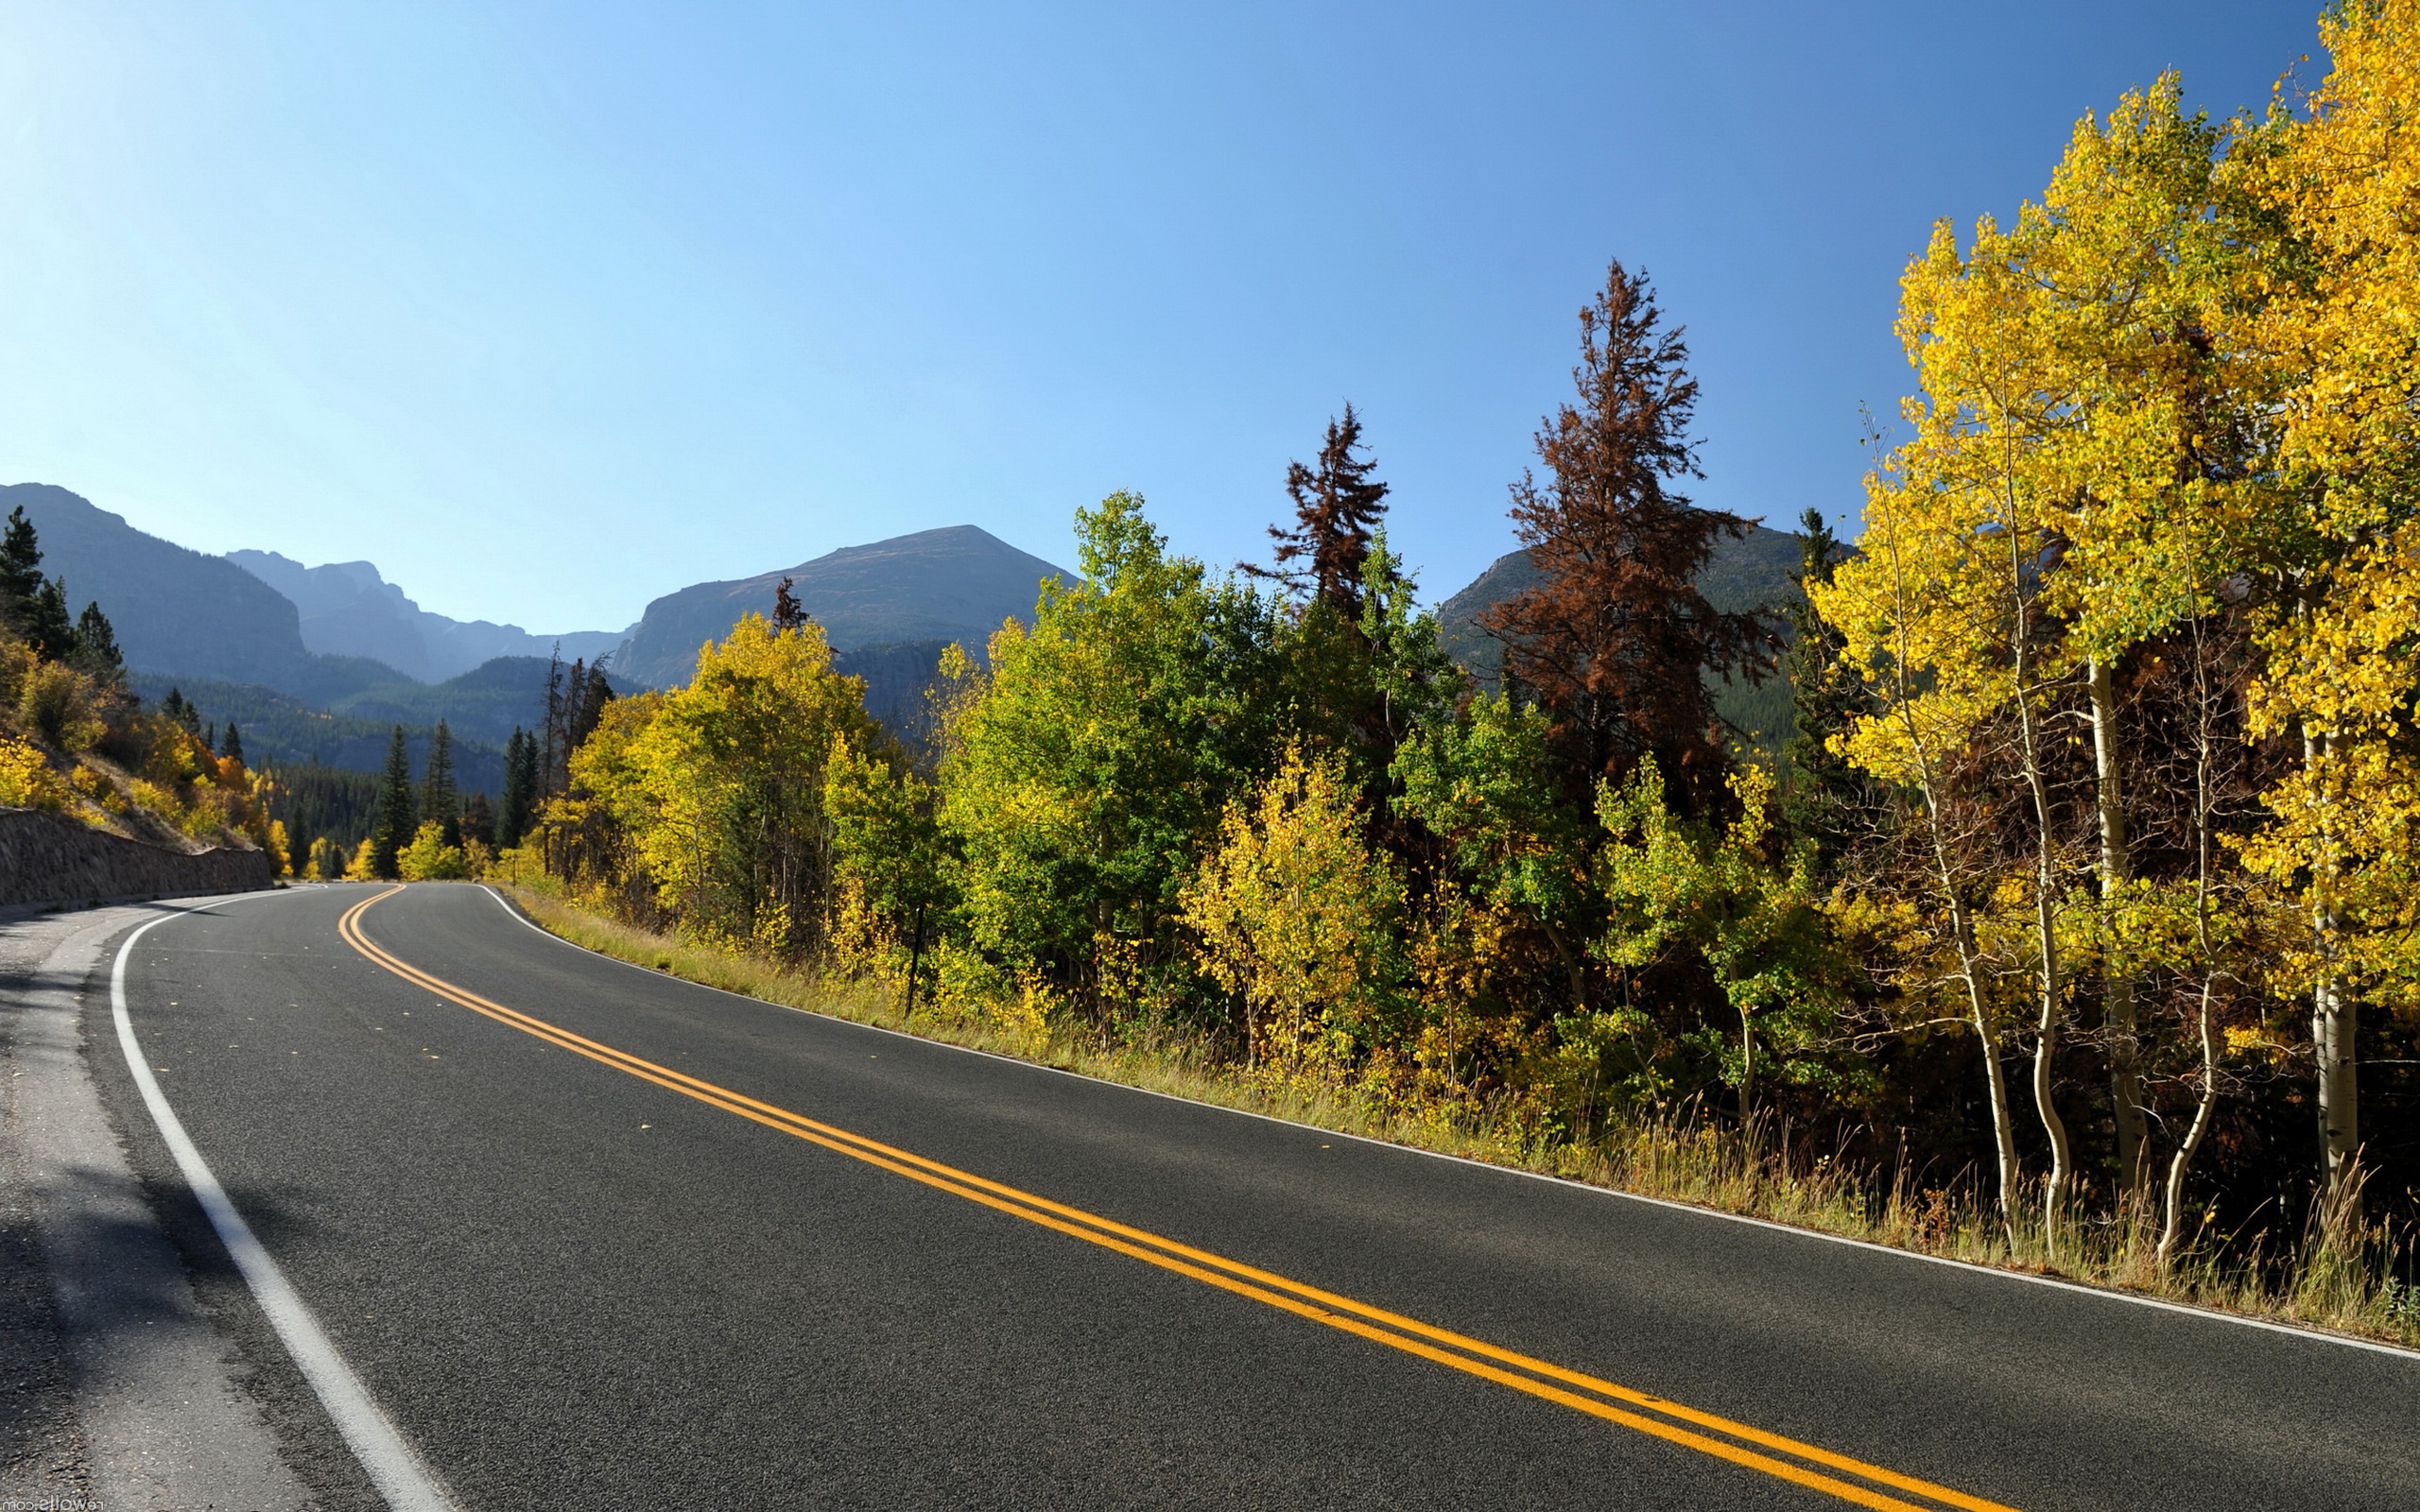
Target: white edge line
point(398, 1472)
point(2106, 1293)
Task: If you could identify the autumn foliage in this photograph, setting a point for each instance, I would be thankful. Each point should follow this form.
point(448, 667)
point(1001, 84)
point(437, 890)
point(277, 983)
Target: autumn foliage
point(2089, 881)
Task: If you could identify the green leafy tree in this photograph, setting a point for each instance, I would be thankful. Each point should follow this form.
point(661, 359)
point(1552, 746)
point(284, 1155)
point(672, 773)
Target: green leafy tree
point(1709, 893)
point(1297, 915)
point(429, 858)
point(1083, 773)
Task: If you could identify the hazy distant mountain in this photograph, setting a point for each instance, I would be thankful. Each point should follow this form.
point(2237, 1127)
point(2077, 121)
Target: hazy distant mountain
point(954, 584)
point(180, 612)
point(348, 610)
point(1758, 569)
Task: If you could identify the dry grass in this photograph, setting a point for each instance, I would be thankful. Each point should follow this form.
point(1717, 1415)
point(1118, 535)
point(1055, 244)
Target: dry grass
point(2341, 1282)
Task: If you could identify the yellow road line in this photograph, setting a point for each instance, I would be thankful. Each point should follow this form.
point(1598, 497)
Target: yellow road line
point(1376, 1323)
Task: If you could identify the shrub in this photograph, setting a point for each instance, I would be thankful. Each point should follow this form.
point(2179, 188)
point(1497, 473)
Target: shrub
point(27, 781)
point(61, 707)
point(428, 858)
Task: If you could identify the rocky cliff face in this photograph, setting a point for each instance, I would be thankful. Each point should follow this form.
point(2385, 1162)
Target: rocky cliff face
point(348, 609)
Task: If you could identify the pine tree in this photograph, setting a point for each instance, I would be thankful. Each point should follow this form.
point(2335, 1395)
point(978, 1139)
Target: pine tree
point(20, 570)
point(520, 789)
point(1337, 509)
point(209, 739)
point(789, 614)
point(1615, 641)
point(176, 710)
point(232, 743)
point(43, 621)
point(96, 648)
point(1829, 800)
point(396, 819)
point(439, 799)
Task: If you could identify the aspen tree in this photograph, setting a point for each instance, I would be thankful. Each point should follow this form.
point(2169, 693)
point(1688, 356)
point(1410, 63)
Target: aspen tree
point(1894, 629)
point(2133, 258)
point(2343, 674)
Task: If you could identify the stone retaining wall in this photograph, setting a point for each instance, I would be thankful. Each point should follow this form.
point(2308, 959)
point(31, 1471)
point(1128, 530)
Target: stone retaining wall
point(49, 860)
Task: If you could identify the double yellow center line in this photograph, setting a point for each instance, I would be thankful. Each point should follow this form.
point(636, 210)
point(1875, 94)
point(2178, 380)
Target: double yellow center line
point(1850, 1480)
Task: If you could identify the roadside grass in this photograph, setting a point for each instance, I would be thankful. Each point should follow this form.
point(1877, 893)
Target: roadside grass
point(2342, 1280)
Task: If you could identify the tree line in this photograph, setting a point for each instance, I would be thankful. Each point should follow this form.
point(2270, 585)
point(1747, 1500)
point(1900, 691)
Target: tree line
point(2087, 877)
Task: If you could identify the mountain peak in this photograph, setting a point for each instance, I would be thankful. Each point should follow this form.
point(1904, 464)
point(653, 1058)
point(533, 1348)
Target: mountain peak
point(954, 583)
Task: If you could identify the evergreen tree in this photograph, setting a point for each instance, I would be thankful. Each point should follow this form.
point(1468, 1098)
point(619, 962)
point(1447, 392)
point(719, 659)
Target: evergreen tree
point(177, 711)
point(20, 559)
point(21, 581)
point(1829, 800)
point(520, 789)
point(1614, 641)
point(1337, 509)
point(397, 819)
point(439, 799)
point(43, 621)
point(210, 738)
point(96, 649)
point(789, 614)
point(232, 743)
point(478, 820)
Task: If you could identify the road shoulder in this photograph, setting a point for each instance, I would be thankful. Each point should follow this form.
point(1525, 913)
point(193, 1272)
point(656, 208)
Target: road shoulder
point(155, 1417)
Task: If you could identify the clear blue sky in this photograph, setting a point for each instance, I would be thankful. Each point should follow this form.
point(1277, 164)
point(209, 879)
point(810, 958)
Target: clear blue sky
point(549, 309)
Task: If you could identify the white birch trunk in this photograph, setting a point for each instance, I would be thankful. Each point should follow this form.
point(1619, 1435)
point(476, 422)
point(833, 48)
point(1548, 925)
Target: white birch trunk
point(2119, 1004)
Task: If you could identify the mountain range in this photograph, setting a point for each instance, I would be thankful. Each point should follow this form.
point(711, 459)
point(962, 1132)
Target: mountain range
point(347, 608)
point(319, 664)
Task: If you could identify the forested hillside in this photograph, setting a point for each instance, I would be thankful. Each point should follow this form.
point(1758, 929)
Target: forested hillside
point(283, 732)
point(74, 743)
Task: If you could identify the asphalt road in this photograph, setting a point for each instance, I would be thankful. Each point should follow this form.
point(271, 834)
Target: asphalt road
point(571, 1285)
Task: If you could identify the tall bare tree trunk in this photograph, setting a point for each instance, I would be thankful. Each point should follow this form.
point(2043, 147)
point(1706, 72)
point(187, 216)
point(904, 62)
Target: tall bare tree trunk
point(2339, 1093)
point(2173, 1203)
point(2206, 739)
point(1978, 1010)
point(2049, 976)
point(1979, 1002)
point(2118, 1007)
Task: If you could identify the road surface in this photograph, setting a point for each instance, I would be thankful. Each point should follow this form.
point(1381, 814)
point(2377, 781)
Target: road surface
point(592, 1237)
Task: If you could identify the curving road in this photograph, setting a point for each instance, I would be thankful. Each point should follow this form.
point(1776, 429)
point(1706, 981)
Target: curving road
point(592, 1237)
